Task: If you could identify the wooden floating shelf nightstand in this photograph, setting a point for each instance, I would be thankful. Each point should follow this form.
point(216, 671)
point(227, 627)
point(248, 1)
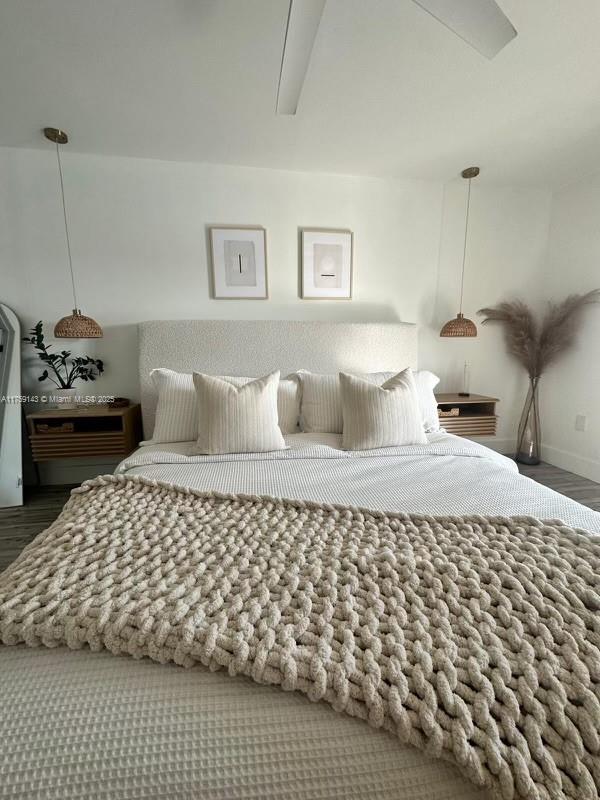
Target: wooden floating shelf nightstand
point(91, 432)
point(476, 414)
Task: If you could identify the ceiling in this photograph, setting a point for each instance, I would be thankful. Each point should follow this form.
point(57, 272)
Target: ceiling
point(389, 90)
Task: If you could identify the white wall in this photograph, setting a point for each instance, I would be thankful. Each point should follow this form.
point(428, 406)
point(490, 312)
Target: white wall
point(140, 252)
point(572, 386)
point(505, 256)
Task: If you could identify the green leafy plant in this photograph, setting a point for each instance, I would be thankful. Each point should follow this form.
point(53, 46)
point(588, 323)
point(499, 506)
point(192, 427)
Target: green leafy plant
point(61, 369)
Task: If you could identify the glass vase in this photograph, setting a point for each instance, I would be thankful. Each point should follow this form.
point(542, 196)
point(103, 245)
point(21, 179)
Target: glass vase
point(528, 437)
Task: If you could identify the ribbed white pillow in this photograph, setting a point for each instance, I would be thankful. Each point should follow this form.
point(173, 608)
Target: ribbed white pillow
point(380, 416)
point(177, 413)
point(237, 419)
point(321, 404)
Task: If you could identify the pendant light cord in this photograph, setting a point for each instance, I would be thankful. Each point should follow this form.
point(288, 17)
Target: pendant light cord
point(462, 277)
point(62, 193)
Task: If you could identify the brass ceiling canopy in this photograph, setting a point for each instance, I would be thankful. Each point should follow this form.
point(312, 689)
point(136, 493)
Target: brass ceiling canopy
point(461, 326)
point(76, 325)
point(56, 135)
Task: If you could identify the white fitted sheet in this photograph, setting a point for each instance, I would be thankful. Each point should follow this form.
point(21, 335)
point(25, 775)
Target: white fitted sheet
point(94, 725)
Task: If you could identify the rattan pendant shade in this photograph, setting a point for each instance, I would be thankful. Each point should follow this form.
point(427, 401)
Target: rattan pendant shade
point(76, 325)
point(461, 326)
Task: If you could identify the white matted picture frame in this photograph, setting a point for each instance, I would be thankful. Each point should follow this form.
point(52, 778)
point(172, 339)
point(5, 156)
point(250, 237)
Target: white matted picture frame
point(326, 263)
point(238, 255)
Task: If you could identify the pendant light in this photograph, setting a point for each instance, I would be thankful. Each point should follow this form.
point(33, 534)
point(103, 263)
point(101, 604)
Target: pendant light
point(76, 325)
point(460, 326)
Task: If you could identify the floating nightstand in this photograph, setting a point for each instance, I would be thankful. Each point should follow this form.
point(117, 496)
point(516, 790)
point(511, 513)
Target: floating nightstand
point(89, 432)
point(476, 414)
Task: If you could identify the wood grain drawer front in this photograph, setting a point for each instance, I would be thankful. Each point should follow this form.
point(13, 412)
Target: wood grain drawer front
point(470, 425)
point(76, 445)
point(91, 432)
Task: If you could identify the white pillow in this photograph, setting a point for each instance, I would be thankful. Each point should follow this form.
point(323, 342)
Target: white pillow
point(321, 405)
point(237, 419)
point(425, 383)
point(380, 416)
point(177, 414)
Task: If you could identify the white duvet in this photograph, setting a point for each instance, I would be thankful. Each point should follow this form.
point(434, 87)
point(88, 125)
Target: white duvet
point(450, 475)
point(93, 725)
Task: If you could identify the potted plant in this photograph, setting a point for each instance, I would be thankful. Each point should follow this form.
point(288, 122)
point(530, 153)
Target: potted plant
point(61, 369)
point(536, 346)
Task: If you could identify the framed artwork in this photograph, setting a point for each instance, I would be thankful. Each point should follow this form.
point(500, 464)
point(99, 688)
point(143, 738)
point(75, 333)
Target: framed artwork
point(239, 262)
point(326, 264)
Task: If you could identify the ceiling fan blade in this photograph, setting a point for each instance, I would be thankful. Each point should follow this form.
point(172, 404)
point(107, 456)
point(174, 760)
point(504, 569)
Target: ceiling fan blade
point(301, 31)
point(481, 23)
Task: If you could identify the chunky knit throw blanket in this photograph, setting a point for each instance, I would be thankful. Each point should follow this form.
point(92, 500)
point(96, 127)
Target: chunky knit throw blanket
point(476, 639)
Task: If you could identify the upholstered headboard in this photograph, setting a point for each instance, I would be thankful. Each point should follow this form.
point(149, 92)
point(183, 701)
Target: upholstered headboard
point(236, 347)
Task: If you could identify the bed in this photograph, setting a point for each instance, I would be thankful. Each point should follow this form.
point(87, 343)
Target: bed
point(91, 724)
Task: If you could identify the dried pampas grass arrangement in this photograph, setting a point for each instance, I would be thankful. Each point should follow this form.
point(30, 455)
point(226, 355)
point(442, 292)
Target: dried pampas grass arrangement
point(536, 346)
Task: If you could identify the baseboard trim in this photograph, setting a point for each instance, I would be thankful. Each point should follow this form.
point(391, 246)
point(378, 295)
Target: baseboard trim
point(586, 467)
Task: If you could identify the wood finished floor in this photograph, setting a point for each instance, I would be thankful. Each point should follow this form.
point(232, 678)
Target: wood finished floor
point(574, 486)
point(18, 526)
point(21, 524)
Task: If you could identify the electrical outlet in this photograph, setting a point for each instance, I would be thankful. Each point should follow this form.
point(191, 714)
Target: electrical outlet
point(580, 422)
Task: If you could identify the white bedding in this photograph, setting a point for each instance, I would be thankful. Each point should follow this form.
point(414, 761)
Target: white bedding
point(93, 725)
point(450, 475)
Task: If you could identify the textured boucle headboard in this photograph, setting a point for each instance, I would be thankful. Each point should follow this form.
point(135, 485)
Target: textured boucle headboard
point(253, 348)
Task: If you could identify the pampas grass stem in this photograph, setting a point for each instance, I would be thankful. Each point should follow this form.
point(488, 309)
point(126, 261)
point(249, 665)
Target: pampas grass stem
point(538, 345)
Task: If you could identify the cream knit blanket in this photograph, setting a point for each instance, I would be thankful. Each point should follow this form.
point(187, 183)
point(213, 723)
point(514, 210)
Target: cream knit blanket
point(476, 639)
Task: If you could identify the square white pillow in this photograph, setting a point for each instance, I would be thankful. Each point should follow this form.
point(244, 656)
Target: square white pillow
point(321, 405)
point(177, 413)
point(380, 416)
point(237, 419)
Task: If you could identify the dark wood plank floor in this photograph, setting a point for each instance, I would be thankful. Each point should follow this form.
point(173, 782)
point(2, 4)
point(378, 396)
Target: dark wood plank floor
point(574, 486)
point(18, 526)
